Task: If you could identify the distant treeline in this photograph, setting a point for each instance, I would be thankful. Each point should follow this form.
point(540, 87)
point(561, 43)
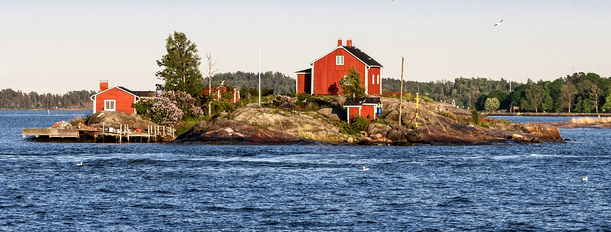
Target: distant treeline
point(10, 99)
point(579, 92)
point(280, 83)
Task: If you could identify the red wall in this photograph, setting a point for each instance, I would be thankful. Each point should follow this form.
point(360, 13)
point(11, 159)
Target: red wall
point(304, 83)
point(374, 73)
point(353, 112)
point(368, 110)
point(326, 72)
point(123, 101)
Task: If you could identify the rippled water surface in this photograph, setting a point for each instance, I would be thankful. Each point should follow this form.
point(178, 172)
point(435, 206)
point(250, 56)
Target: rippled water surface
point(151, 187)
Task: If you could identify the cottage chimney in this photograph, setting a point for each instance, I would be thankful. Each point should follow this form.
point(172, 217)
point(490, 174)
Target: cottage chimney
point(339, 42)
point(103, 85)
point(349, 42)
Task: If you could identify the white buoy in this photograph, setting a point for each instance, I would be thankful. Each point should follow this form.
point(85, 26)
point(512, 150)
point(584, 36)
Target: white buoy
point(365, 168)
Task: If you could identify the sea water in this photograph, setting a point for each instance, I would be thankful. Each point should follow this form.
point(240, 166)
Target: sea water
point(171, 187)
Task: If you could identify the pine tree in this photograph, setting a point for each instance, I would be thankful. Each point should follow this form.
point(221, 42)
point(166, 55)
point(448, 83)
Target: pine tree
point(181, 66)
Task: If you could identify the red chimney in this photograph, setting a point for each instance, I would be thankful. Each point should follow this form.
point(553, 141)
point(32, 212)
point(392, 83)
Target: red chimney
point(349, 42)
point(339, 42)
point(103, 85)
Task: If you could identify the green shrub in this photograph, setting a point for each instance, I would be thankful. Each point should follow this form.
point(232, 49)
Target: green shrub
point(474, 116)
point(358, 124)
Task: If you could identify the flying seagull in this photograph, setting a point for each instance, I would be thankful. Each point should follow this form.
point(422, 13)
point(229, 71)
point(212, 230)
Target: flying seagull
point(498, 24)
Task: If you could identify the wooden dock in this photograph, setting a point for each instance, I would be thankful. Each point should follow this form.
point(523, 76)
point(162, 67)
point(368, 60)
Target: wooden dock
point(104, 135)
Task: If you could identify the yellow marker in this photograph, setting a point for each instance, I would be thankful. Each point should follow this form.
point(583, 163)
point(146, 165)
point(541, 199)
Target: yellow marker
point(417, 99)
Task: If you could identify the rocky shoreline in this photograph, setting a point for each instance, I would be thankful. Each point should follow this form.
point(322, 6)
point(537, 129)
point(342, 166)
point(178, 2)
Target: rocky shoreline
point(440, 124)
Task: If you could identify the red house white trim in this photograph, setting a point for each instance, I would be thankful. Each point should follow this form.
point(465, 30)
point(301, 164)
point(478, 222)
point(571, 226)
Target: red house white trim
point(117, 98)
point(330, 68)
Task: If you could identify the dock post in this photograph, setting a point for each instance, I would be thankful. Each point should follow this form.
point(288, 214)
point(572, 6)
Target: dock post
point(148, 133)
point(127, 129)
point(103, 135)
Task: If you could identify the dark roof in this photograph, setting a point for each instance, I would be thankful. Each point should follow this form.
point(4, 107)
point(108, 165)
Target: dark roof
point(357, 101)
point(306, 71)
point(362, 56)
point(140, 93)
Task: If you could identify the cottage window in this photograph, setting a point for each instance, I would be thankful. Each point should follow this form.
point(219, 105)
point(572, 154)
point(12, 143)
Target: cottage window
point(378, 79)
point(109, 105)
point(373, 79)
point(339, 60)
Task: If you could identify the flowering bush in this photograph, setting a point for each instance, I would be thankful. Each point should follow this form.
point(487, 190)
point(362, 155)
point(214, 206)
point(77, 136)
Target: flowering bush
point(279, 100)
point(164, 111)
point(185, 102)
point(169, 108)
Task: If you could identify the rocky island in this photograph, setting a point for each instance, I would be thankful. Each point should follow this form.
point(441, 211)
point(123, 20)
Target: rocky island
point(437, 124)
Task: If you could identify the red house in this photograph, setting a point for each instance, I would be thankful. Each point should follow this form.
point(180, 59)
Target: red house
point(369, 107)
point(117, 98)
point(324, 73)
point(217, 91)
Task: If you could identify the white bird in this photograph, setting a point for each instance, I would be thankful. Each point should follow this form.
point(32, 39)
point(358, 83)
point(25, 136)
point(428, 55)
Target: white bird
point(365, 169)
point(498, 24)
point(79, 164)
point(585, 178)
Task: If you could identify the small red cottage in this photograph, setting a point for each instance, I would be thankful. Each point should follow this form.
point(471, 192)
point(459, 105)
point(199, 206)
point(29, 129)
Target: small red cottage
point(217, 91)
point(117, 98)
point(325, 72)
point(368, 107)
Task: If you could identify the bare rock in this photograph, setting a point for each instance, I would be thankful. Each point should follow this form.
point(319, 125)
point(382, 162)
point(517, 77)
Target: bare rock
point(294, 124)
point(330, 113)
point(225, 131)
point(542, 130)
point(115, 119)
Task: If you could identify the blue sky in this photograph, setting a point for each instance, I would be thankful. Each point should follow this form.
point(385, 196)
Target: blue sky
point(58, 46)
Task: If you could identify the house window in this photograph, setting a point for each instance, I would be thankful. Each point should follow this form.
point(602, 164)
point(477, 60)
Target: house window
point(373, 79)
point(339, 60)
point(378, 79)
point(109, 105)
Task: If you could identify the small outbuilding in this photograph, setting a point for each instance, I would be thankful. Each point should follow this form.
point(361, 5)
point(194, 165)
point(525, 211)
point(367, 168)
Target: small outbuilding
point(118, 98)
point(218, 93)
point(367, 107)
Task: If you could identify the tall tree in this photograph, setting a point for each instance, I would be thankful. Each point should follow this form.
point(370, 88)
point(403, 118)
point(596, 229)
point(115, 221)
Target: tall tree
point(607, 106)
point(181, 66)
point(533, 97)
point(492, 104)
point(211, 71)
point(595, 95)
point(567, 94)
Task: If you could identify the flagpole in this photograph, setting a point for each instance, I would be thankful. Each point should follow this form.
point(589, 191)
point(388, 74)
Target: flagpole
point(401, 98)
point(259, 78)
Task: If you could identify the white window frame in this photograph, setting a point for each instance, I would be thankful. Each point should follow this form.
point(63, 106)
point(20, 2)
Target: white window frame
point(339, 60)
point(108, 103)
point(373, 79)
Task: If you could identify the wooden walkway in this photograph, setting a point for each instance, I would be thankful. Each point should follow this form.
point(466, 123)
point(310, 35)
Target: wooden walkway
point(112, 135)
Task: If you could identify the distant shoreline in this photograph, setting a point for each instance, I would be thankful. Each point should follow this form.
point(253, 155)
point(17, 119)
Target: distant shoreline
point(60, 109)
point(552, 114)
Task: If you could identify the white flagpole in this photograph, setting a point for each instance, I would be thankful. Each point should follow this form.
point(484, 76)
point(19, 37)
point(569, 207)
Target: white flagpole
point(259, 78)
